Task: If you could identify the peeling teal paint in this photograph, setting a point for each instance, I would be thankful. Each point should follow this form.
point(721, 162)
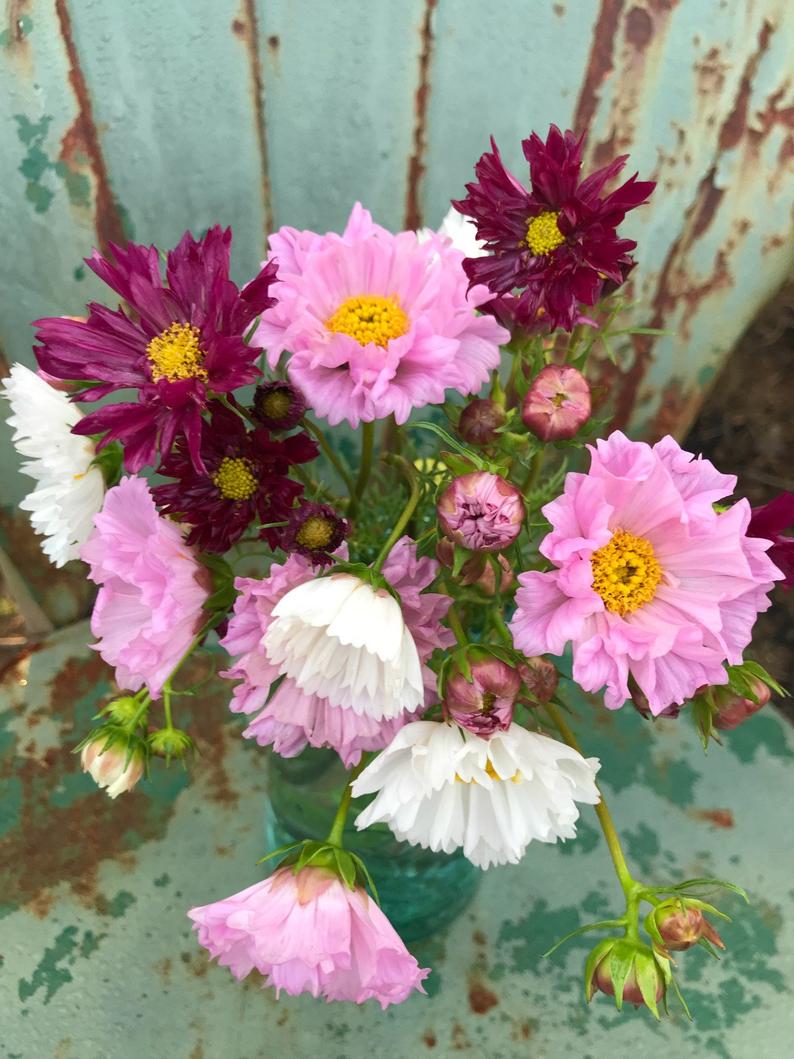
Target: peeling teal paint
point(50, 974)
point(37, 163)
point(23, 27)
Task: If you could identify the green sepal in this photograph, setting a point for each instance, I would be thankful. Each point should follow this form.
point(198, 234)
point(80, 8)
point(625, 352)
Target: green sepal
point(224, 593)
point(287, 847)
point(740, 679)
point(595, 957)
point(620, 963)
point(363, 573)
point(605, 924)
point(458, 465)
point(693, 884)
point(647, 974)
point(365, 878)
point(345, 867)
point(476, 461)
point(110, 461)
point(680, 996)
point(461, 556)
point(171, 744)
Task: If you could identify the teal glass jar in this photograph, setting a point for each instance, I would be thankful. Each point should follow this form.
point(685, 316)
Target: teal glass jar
point(420, 891)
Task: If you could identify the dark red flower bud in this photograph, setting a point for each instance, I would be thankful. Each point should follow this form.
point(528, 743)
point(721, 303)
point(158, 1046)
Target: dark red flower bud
point(316, 531)
point(681, 926)
point(480, 420)
point(733, 709)
point(540, 677)
point(483, 705)
point(278, 405)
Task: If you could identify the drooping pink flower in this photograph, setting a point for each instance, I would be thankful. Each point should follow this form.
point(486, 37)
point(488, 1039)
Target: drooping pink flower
point(149, 606)
point(484, 704)
point(309, 933)
point(293, 719)
point(376, 323)
point(481, 511)
point(557, 403)
point(649, 580)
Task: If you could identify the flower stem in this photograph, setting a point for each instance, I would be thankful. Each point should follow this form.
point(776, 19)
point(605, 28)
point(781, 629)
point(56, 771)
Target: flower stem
point(533, 472)
point(338, 826)
point(454, 622)
point(629, 885)
point(332, 457)
point(410, 506)
point(367, 444)
point(241, 412)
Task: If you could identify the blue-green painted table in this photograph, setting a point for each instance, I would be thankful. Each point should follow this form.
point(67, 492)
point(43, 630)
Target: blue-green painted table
point(98, 960)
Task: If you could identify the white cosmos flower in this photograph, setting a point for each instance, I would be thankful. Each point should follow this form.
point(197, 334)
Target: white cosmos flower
point(442, 787)
point(460, 230)
point(342, 639)
point(69, 491)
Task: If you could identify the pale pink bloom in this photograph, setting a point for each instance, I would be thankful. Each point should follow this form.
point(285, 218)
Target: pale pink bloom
point(557, 403)
point(308, 933)
point(649, 580)
point(153, 589)
point(114, 768)
point(481, 511)
point(293, 719)
point(376, 323)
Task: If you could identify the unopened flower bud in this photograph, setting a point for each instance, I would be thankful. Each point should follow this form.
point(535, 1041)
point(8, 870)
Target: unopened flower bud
point(645, 981)
point(170, 743)
point(682, 925)
point(113, 762)
point(483, 705)
point(278, 405)
point(124, 710)
point(639, 700)
point(557, 403)
point(316, 531)
point(477, 570)
point(540, 677)
point(481, 511)
point(632, 993)
point(480, 420)
point(733, 709)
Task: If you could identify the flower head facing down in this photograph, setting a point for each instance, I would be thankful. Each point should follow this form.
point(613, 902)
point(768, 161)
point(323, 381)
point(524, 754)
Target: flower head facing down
point(649, 581)
point(441, 787)
point(307, 932)
point(316, 531)
point(774, 522)
point(481, 511)
point(556, 242)
point(376, 324)
point(69, 489)
point(113, 764)
point(152, 588)
point(557, 403)
point(484, 704)
point(480, 420)
point(185, 340)
point(245, 477)
point(292, 717)
point(278, 405)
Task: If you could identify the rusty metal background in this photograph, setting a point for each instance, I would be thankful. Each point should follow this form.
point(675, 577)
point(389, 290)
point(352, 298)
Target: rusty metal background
point(142, 119)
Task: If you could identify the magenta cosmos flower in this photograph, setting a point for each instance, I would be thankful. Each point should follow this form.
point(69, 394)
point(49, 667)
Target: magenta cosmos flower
point(556, 242)
point(245, 479)
point(152, 588)
point(292, 718)
point(376, 323)
point(649, 580)
point(775, 521)
point(182, 341)
point(308, 933)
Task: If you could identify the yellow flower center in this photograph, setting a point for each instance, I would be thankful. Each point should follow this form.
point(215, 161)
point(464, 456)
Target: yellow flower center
point(316, 532)
point(626, 572)
point(370, 318)
point(491, 771)
point(276, 405)
point(176, 354)
point(234, 479)
point(543, 234)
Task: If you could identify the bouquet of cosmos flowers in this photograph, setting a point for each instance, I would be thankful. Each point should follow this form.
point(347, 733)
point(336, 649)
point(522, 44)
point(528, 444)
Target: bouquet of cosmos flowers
point(414, 586)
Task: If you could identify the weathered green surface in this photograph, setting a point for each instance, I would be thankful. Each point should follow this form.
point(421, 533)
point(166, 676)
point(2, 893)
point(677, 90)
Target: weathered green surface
point(98, 960)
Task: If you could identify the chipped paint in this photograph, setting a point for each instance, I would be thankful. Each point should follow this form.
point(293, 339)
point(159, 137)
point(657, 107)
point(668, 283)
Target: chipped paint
point(247, 29)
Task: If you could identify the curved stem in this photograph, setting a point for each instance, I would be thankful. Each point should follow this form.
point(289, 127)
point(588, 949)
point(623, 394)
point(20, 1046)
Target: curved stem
point(534, 470)
point(367, 443)
point(224, 400)
point(454, 622)
point(408, 510)
point(338, 826)
point(330, 455)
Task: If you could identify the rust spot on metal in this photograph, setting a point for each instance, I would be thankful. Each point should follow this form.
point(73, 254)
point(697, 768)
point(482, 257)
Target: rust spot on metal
point(639, 28)
point(559, 10)
point(599, 64)
point(460, 1042)
point(676, 405)
point(717, 817)
point(246, 27)
point(416, 161)
point(710, 196)
point(108, 222)
point(479, 938)
point(274, 42)
point(481, 998)
point(430, 1038)
point(734, 125)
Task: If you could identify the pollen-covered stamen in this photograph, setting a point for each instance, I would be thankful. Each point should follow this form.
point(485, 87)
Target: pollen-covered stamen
point(315, 533)
point(175, 354)
point(543, 233)
point(491, 771)
point(275, 405)
point(234, 478)
point(626, 572)
point(369, 318)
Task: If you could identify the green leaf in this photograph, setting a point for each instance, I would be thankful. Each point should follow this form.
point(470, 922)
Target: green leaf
point(476, 461)
point(693, 884)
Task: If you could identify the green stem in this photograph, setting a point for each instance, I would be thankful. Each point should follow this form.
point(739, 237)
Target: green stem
point(330, 454)
point(224, 400)
point(338, 826)
point(141, 711)
point(501, 625)
point(454, 622)
point(365, 466)
point(630, 886)
point(407, 512)
point(533, 472)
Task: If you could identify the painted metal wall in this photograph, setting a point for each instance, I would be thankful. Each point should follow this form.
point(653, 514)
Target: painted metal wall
point(140, 119)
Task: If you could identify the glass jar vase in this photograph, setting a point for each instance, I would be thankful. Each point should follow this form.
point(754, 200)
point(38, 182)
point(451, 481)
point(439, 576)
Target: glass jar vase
point(420, 891)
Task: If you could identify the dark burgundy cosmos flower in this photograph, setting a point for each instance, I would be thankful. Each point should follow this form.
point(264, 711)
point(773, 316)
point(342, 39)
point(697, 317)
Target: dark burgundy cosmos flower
point(278, 405)
point(245, 479)
point(557, 242)
point(316, 531)
point(181, 341)
point(772, 521)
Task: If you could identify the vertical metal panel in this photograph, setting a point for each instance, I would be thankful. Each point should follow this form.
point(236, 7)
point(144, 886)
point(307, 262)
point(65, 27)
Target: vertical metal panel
point(339, 83)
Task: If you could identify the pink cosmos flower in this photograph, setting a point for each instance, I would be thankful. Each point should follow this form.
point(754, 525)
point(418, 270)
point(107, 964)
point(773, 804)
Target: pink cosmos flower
point(308, 933)
point(376, 323)
point(153, 588)
point(481, 511)
point(557, 403)
point(292, 719)
point(649, 579)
